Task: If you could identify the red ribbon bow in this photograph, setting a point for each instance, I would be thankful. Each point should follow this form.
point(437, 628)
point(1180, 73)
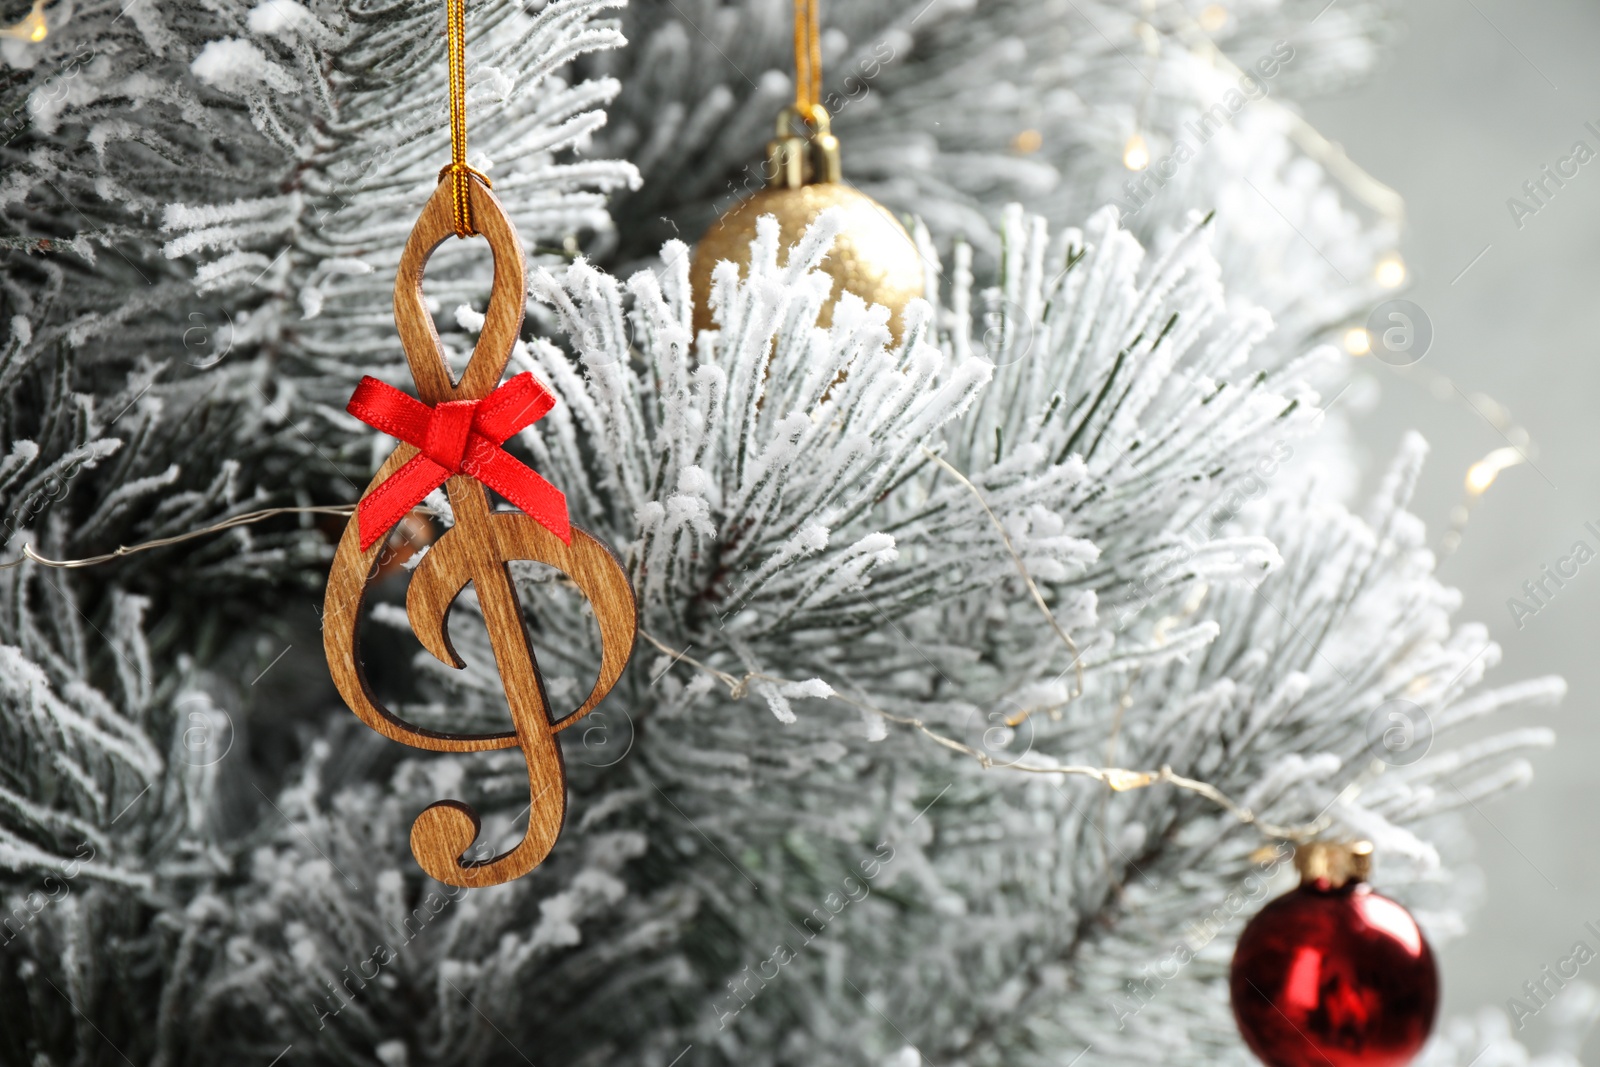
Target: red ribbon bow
point(456, 437)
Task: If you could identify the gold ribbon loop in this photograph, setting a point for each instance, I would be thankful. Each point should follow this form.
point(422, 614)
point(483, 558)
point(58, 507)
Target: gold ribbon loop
point(460, 174)
point(807, 57)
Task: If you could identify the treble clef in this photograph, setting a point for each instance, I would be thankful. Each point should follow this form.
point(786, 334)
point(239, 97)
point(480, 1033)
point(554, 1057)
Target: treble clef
point(453, 436)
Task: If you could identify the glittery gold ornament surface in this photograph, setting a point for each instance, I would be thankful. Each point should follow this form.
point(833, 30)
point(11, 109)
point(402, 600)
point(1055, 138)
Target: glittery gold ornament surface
point(872, 257)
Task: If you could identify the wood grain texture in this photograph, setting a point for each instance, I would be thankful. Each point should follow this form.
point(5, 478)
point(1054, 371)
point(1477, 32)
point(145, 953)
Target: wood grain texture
point(476, 550)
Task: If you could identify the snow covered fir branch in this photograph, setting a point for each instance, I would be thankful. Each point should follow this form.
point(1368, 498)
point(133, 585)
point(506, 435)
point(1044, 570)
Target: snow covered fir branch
point(204, 856)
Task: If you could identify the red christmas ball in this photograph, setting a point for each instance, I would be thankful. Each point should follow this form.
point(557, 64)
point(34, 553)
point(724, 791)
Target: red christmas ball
point(1328, 977)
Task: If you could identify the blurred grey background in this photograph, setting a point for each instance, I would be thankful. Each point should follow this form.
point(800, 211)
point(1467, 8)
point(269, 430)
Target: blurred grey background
point(1476, 98)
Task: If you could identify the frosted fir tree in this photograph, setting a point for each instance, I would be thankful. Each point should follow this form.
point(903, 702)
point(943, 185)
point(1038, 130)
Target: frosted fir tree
point(770, 856)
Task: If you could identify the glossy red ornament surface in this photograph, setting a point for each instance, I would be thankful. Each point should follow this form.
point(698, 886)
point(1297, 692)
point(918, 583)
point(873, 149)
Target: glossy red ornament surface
point(1334, 978)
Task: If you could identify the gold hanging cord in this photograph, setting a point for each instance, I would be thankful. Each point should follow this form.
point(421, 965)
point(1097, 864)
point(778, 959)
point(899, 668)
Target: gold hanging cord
point(807, 58)
point(460, 174)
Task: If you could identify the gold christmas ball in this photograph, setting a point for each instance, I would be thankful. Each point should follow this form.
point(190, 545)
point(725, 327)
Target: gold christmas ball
point(873, 256)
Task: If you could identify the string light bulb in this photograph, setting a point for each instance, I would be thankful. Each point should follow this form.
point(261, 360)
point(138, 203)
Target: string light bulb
point(1136, 154)
point(1481, 475)
point(1357, 341)
point(1390, 271)
point(1027, 142)
point(31, 28)
point(1213, 17)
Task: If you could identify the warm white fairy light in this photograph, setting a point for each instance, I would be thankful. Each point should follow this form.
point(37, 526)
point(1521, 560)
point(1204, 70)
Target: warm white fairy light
point(1213, 17)
point(1481, 475)
point(1391, 271)
point(1357, 341)
point(31, 28)
point(1136, 154)
point(1027, 141)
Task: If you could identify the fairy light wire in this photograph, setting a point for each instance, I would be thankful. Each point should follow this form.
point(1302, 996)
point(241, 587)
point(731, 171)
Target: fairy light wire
point(1117, 779)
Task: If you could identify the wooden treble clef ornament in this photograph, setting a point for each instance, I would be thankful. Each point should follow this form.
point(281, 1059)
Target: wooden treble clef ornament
point(453, 436)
